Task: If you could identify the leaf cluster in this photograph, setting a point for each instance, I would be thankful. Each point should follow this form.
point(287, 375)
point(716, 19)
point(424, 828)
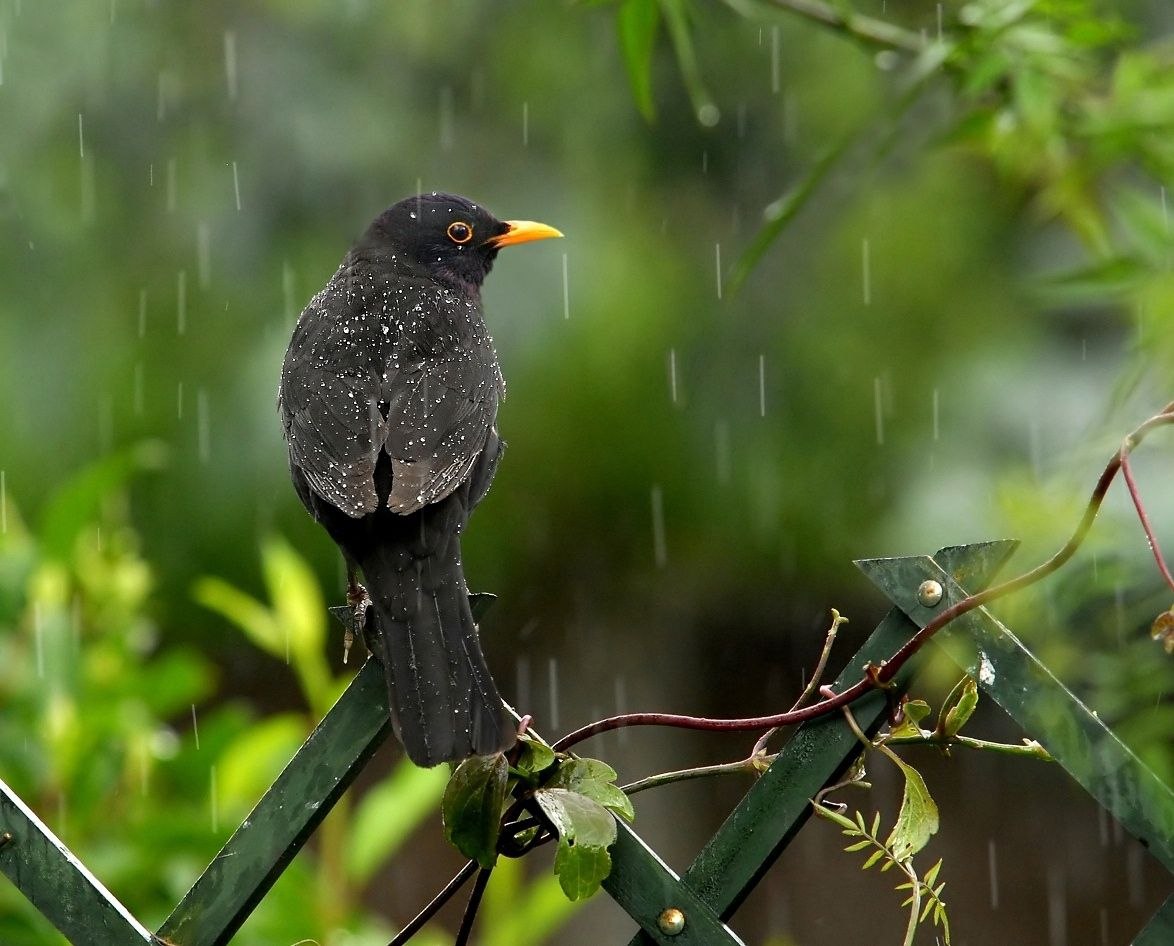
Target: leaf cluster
point(573, 799)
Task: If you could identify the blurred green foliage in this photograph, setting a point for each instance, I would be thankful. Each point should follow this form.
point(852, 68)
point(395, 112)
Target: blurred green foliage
point(107, 734)
point(961, 298)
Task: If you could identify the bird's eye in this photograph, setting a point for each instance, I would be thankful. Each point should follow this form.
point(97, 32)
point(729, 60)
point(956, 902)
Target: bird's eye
point(460, 232)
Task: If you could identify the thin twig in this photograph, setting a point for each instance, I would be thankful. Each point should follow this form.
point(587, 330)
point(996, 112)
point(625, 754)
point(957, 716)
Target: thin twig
point(471, 908)
point(1029, 747)
point(704, 771)
point(434, 905)
point(812, 684)
point(1150, 536)
point(878, 676)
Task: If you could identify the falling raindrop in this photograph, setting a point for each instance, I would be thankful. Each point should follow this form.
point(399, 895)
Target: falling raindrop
point(993, 873)
point(142, 312)
point(939, 22)
point(195, 728)
point(762, 385)
point(566, 291)
point(552, 678)
point(1165, 211)
point(717, 258)
point(181, 302)
point(525, 124)
point(81, 138)
point(866, 275)
point(878, 411)
point(203, 254)
point(659, 549)
point(151, 174)
point(230, 63)
point(704, 162)
point(673, 375)
point(742, 120)
point(236, 185)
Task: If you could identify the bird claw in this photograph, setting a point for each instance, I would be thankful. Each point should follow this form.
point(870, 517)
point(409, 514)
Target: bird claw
point(353, 617)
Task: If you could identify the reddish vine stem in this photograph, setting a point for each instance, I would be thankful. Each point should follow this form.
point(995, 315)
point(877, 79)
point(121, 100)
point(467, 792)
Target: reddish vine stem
point(878, 676)
point(479, 886)
point(1150, 535)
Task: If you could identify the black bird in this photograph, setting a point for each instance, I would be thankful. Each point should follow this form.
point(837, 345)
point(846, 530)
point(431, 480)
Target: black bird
point(389, 396)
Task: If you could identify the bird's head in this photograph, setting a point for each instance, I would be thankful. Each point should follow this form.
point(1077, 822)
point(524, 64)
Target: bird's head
point(451, 238)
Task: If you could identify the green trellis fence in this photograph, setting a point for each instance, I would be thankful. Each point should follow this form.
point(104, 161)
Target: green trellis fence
point(731, 863)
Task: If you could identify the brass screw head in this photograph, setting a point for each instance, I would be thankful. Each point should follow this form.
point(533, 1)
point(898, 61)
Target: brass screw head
point(929, 593)
point(671, 921)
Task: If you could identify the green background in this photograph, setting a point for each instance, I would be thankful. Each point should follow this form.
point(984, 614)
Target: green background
point(943, 345)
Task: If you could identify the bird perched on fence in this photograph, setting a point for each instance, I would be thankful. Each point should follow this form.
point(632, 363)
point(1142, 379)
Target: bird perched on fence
point(388, 397)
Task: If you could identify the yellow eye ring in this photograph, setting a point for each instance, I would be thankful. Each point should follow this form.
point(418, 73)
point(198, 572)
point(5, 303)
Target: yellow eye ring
point(460, 232)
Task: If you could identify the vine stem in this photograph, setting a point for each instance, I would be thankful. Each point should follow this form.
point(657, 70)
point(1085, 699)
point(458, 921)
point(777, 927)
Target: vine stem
point(879, 676)
point(479, 886)
point(434, 905)
point(1150, 536)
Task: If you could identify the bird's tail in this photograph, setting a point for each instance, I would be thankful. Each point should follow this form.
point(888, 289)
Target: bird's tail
point(444, 704)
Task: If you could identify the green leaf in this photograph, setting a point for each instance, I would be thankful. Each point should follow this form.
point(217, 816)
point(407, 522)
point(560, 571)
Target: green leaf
point(917, 821)
point(533, 756)
point(388, 813)
point(297, 599)
point(472, 806)
point(585, 831)
point(596, 780)
point(835, 817)
point(913, 712)
point(961, 711)
point(638, 22)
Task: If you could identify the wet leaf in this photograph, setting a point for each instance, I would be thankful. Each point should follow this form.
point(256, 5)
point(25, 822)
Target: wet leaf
point(585, 831)
point(913, 712)
point(596, 780)
point(638, 22)
point(961, 711)
point(533, 756)
point(917, 821)
point(472, 806)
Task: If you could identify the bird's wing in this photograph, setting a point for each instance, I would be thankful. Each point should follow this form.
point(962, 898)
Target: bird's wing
point(423, 385)
point(328, 400)
point(439, 421)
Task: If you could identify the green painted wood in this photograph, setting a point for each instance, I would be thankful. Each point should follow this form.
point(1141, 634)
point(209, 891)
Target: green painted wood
point(258, 851)
point(778, 804)
point(645, 887)
point(1047, 710)
point(58, 884)
point(1159, 931)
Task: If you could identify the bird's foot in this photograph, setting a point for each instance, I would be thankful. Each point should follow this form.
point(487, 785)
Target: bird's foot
point(353, 617)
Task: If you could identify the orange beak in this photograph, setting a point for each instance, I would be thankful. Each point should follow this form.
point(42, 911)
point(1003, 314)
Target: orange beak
point(522, 231)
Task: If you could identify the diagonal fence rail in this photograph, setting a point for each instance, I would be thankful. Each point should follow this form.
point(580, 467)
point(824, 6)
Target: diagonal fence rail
point(671, 910)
